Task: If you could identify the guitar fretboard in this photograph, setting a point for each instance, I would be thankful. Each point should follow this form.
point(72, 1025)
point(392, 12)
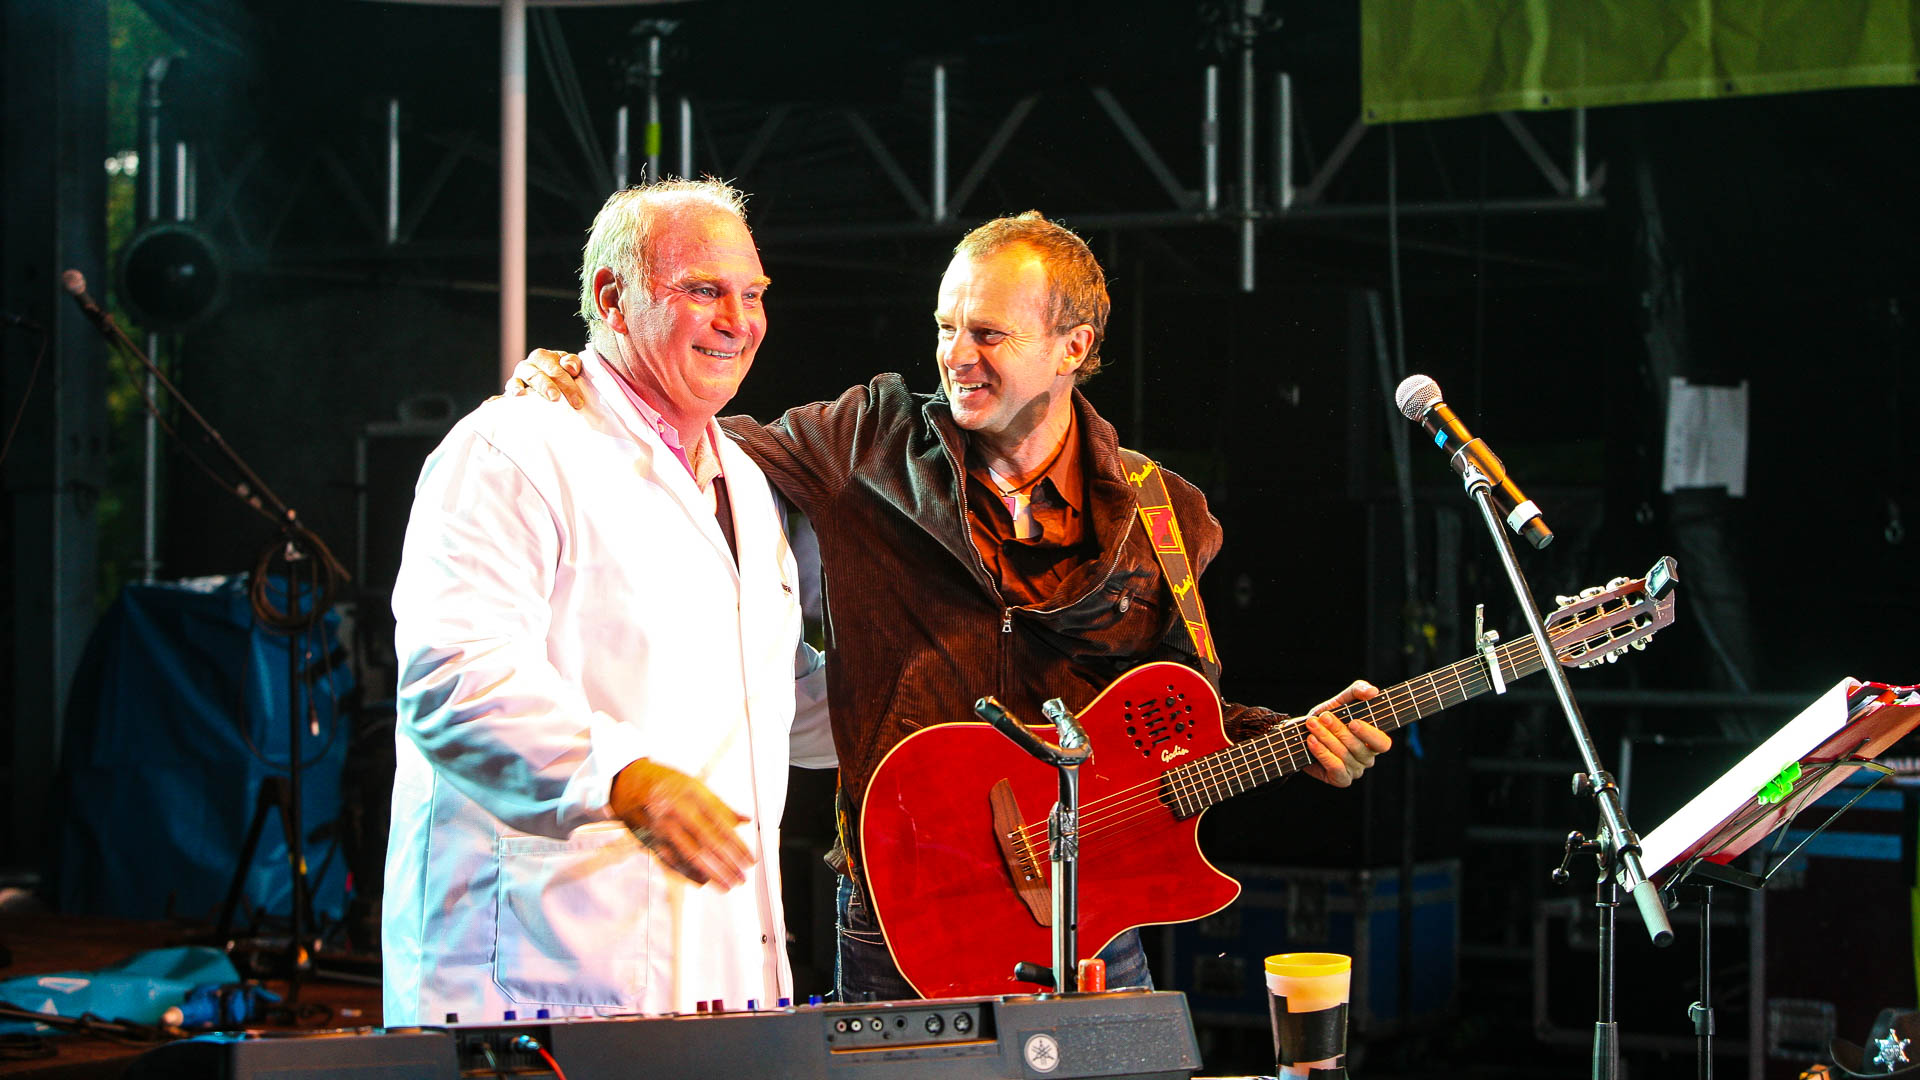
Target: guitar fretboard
point(1192, 788)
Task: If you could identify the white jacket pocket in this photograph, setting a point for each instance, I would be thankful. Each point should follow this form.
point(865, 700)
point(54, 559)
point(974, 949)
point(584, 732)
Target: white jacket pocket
point(570, 927)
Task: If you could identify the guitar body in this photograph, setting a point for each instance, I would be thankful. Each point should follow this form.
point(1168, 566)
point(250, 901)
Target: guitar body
point(944, 885)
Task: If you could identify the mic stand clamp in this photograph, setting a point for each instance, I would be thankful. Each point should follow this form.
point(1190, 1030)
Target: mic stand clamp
point(1063, 828)
point(1618, 845)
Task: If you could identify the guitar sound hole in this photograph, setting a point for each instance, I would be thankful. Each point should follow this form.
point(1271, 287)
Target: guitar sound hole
point(1157, 718)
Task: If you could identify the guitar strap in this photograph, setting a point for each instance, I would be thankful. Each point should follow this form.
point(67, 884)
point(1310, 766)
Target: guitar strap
point(1163, 528)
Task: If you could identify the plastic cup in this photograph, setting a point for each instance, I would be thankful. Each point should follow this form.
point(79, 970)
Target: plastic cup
point(1307, 1001)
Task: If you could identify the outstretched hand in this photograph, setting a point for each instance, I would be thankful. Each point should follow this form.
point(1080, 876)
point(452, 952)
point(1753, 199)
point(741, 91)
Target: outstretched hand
point(682, 822)
point(1342, 751)
point(552, 375)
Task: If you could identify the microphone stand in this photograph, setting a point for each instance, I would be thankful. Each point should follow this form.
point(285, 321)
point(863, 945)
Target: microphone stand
point(1617, 846)
point(298, 542)
point(1063, 827)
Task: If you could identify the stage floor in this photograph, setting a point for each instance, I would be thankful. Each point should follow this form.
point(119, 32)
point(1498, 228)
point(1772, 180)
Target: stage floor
point(45, 943)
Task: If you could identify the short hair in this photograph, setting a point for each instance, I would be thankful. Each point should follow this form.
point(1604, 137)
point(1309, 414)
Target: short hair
point(622, 236)
point(1076, 286)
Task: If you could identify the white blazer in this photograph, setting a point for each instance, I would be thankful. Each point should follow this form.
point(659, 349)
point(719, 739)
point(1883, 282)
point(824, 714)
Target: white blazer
point(567, 604)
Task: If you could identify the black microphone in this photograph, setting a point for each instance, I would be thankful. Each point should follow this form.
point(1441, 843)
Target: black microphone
point(76, 285)
point(1418, 399)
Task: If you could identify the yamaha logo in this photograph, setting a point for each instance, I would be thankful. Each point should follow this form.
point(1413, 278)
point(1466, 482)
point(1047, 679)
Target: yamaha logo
point(1043, 1053)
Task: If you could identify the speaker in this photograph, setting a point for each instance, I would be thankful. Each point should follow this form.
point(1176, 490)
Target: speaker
point(386, 465)
point(171, 278)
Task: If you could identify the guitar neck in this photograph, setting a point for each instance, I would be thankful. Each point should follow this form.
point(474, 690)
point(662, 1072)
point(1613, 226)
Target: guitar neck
point(1282, 752)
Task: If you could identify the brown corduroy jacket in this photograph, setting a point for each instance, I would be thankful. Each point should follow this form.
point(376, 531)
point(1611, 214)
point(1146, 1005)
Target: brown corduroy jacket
point(917, 629)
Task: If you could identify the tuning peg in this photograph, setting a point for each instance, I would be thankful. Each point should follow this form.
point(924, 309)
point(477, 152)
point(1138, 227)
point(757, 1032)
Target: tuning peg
point(1617, 582)
point(1640, 645)
point(1563, 601)
point(1613, 657)
point(1591, 591)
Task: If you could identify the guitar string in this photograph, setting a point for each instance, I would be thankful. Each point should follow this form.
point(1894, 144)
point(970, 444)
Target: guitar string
point(1107, 828)
point(1400, 699)
point(1197, 784)
point(1209, 774)
point(1202, 776)
point(1232, 768)
point(1213, 773)
point(1110, 833)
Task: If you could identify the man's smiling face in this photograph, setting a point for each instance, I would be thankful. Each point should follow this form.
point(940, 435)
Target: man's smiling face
point(688, 334)
point(1003, 366)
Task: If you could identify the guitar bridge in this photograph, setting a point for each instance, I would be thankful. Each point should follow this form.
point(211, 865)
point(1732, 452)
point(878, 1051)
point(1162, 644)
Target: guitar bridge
point(1016, 850)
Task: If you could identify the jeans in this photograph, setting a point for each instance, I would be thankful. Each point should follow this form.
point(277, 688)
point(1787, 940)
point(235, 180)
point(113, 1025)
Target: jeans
point(863, 969)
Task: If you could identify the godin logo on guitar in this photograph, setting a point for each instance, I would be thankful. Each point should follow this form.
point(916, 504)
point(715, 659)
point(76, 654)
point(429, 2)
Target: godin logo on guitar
point(1172, 752)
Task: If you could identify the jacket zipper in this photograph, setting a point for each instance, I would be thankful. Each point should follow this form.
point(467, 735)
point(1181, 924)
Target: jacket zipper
point(1006, 613)
point(966, 526)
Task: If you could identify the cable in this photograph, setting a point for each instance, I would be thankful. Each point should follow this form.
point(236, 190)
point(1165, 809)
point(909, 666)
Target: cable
point(551, 1064)
point(292, 619)
point(251, 490)
point(32, 378)
point(88, 1024)
point(25, 1048)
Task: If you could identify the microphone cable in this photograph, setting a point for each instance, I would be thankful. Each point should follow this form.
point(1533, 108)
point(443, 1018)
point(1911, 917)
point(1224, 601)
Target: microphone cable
point(33, 377)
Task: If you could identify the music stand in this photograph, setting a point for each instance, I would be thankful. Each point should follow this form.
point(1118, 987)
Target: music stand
point(1838, 735)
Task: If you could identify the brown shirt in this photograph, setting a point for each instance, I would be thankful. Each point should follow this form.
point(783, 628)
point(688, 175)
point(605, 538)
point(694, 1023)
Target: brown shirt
point(1030, 571)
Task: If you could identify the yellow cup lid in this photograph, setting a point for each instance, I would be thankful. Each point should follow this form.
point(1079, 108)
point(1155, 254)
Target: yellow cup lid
point(1307, 964)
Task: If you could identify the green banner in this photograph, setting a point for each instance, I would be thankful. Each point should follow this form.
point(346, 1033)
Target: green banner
point(1429, 59)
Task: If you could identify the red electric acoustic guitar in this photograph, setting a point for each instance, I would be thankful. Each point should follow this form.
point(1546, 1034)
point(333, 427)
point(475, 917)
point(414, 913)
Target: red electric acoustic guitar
point(954, 823)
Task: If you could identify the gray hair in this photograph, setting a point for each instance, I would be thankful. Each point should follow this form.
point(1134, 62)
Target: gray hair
point(622, 236)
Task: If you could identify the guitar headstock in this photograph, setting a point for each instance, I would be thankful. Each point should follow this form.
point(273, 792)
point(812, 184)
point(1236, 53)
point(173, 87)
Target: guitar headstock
point(1604, 621)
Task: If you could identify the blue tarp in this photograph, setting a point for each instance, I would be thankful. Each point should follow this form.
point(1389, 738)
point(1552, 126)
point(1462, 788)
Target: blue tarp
point(137, 990)
point(178, 712)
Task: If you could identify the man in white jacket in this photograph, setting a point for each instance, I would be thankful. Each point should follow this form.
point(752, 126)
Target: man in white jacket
point(598, 624)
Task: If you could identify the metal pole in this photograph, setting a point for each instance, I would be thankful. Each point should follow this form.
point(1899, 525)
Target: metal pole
point(1581, 189)
point(621, 160)
point(653, 109)
point(150, 154)
point(513, 184)
point(1210, 139)
point(393, 171)
point(182, 182)
point(1701, 1013)
point(686, 137)
point(150, 182)
point(1246, 158)
point(1283, 139)
point(1606, 1030)
point(939, 142)
point(150, 475)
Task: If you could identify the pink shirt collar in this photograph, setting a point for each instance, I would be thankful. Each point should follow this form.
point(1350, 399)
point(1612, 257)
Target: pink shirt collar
point(662, 427)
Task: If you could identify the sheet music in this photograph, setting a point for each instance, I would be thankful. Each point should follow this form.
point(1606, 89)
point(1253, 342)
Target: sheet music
point(1737, 785)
